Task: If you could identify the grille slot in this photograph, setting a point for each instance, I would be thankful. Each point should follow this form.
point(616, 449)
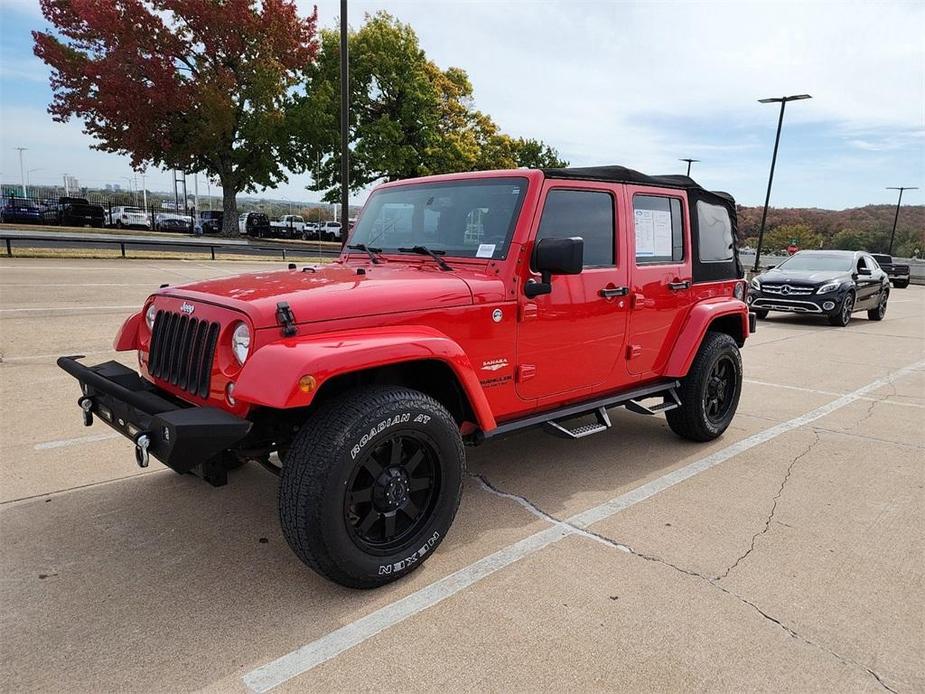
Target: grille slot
point(182, 351)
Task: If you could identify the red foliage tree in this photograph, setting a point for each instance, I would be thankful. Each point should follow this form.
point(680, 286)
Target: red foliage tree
point(196, 85)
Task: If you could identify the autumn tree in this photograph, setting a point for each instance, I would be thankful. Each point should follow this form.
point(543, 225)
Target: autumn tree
point(408, 116)
point(802, 235)
point(193, 85)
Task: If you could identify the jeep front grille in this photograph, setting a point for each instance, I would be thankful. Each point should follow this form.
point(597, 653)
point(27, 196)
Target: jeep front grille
point(182, 350)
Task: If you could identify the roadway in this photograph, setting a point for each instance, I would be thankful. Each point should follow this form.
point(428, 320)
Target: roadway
point(785, 556)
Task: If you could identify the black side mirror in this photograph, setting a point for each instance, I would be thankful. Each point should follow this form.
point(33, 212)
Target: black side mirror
point(555, 257)
point(863, 270)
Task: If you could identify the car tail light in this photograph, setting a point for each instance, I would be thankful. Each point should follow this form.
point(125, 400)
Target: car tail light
point(739, 291)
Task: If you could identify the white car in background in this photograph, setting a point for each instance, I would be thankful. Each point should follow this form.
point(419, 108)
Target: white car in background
point(126, 217)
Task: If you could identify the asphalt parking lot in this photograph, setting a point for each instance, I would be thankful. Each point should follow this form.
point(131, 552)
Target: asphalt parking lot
point(787, 555)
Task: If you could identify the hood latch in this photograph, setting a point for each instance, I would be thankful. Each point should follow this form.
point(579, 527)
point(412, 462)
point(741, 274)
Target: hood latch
point(286, 319)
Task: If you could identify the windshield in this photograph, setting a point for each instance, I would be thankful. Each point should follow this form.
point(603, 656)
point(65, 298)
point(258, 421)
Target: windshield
point(466, 218)
point(813, 262)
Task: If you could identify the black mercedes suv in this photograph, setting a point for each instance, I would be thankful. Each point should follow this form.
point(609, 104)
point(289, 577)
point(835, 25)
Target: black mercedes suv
point(826, 283)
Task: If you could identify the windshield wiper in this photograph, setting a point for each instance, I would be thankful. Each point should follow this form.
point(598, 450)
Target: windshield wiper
point(370, 251)
point(424, 250)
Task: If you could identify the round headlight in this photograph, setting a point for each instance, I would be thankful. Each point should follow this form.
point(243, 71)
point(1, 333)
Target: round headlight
point(241, 342)
point(150, 314)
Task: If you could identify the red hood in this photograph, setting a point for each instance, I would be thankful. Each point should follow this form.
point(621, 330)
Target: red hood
point(332, 291)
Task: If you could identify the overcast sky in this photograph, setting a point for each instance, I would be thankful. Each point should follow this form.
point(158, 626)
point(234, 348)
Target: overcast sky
point(633, 83)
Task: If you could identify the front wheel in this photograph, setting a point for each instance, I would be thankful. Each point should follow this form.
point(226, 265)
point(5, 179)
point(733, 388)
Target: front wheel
point(842, 315)
point(371, 484)
point(900, 284)
point(710, 392)
point(760, 313)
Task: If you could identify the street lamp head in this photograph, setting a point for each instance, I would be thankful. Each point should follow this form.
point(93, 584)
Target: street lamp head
point(694, 161)
point(779, 99)
point(902, 188)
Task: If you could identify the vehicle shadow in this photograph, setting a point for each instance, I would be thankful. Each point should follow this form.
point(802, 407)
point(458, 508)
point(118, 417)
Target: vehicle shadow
point(163, 582)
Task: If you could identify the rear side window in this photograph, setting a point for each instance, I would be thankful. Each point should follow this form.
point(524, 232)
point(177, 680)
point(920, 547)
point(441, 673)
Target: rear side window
point(659, 230)
point(714, 229)
point(584, 213)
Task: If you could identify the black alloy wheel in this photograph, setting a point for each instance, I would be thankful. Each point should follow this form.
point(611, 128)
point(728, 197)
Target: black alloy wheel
point(391, 492)
point(720, 389)
point(842, 315)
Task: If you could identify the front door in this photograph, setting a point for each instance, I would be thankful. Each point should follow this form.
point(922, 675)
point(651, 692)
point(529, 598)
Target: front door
point(570, 340)
point(661, 281)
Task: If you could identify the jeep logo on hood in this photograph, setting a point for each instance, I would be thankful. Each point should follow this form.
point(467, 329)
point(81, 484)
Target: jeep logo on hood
point(187, 308)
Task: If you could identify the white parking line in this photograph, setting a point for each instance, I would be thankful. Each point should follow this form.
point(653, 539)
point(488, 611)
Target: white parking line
point(301, 660)
point(68, 308)
point(75, 441)
point(831, 392)
point(39, 357)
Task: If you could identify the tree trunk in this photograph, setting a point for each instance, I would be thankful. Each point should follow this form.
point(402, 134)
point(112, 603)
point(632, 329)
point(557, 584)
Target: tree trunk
point(229, 211)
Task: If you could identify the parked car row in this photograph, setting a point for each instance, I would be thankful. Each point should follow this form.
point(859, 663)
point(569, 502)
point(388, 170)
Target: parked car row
point(65, 211)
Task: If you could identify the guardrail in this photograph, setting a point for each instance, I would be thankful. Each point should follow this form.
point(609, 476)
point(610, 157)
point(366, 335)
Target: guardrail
point(233, 248)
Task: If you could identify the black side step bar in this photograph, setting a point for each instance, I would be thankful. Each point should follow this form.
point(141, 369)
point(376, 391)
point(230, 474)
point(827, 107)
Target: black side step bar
point(630, 398)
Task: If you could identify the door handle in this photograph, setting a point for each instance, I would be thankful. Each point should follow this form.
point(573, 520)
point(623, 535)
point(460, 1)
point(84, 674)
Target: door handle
point(678, 286)
point(611, 292)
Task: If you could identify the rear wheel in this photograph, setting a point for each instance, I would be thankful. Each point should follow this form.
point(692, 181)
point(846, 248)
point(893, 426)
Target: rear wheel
point(880, 311)
point(371, 484)
point(842, 315)
point(710, 392)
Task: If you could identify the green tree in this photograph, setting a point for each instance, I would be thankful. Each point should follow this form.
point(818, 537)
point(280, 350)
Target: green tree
point(183, 84)
point(801, 234)
point(849, 240)
point(408, 117)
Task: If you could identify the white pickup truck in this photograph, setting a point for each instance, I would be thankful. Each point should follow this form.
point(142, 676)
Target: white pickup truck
point(289, 226)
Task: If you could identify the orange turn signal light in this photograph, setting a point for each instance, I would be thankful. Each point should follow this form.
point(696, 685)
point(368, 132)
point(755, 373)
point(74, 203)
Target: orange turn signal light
point(307, 383)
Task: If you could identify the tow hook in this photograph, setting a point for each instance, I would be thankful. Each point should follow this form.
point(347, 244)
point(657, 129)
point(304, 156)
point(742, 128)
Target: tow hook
point(141, 450)
point(86, 404)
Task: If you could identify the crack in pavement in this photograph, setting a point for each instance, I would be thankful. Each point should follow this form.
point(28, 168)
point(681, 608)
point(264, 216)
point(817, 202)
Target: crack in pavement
point(767, 522)
point(874, 402)
point(712, 581)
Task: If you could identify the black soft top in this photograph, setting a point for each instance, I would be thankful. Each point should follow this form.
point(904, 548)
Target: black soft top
point(703, 271)
point(622, 174)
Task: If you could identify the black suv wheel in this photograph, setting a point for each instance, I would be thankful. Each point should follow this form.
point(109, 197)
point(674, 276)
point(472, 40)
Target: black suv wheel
point(880, 311)
point(371, 484)
point(842, 314)
point(710, 392)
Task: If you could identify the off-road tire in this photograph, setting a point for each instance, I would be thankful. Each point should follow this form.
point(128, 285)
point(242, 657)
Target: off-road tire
point(842, 315)
point(327, 454)
point(691, 420)
point(900, 284)
point(880, 311)
point(761, 313)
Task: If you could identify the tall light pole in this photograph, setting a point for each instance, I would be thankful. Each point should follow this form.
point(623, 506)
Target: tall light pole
point(782, 100)
point(689, 162)
point(344, 124)
point(22, 178)
point(896, 216)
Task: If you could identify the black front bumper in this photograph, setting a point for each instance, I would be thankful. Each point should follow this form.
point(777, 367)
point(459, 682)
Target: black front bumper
point(815, 304)
point(179, 435)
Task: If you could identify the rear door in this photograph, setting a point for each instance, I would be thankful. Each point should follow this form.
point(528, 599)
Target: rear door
point(868, 285)
point(660, 283)
point(570, 340)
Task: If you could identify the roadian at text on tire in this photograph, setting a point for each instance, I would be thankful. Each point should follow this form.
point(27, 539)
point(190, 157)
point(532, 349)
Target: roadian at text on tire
point(463, 307)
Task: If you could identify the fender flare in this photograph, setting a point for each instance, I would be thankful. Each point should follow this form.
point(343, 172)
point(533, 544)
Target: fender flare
point(270, 377)
point(127, 337)
point(695, 328)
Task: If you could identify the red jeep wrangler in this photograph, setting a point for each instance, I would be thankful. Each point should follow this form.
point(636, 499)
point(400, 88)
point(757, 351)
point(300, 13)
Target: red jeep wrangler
point(463, 308)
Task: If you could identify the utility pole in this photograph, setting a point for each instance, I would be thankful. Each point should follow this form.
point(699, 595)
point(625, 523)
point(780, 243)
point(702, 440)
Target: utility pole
point(782, 100)
point(22, 177)
point(689, 162)
point(196, 191)
point(67, 189)
point(144, 194)
point(896, 216)
point(344, 123)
